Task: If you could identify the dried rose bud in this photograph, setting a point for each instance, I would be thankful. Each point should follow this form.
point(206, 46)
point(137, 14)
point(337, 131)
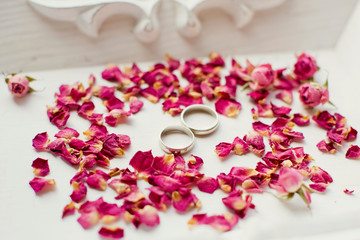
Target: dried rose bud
point(305, 67)
point(289, 180)
point(312, 94)
point(262, 77)
point(18, 85)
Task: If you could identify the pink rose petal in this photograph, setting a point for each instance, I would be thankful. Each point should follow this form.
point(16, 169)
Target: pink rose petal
point(324, 119)
point(240, 147)
point(164, 164)
point(207, 184)
point(68, 210)
point(79, 191)
point(239, 205)
point(223, 149)
point(41, 167)
point(42, 184)
point(347, 191)
point(353, 152)
point(111, 233)
point(222, 223)
point(256, 143)
point(195, 162)
point(142, 162)
point(285, 95)
point(261, 128)
point(227, 107)
point(67, 133)
point(300, 120)
point(41, 141)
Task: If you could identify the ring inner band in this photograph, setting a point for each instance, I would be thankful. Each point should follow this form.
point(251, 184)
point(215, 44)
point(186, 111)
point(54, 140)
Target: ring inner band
point(176, 139)
point(200, 119)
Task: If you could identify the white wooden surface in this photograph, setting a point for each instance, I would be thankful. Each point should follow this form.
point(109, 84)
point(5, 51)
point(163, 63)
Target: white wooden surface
point(31, 42)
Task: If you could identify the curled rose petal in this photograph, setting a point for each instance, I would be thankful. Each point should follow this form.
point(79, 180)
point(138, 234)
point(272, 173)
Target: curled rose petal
point(239, 205)
point(79, 191)
point(41, 184)
point(112, 146)
point(324, 119)
point(336, 135)
point(251, 186)
point(184, 199)
point(98, 131)
point(285, 95)
point(353, 152)
point(222, 223)
point(41, 167)
point(116, 116)
point(159, 198)
point(347, 191)
point(262, 110)
point(227, 107)
point(207, 184)
point(326, 147)
point(223, 149)
point(166, 183)
point(111, 233)
point(351, 134)
point(41, 141)
point(318, 175)
point(135, 104)
point(89, 219)
point(86, 109)
point(103, 92)
point(256, 143)
point(179, 162)
point(261, 128)
point(148, 216)
point(113, 103)
point(300, 120)
point(195, 162)
point(67, 133)
point(98, 180)
point(68, 210)
point(240, 147)
point(164, 164)
point(109, 212)
point(280, 111)
point(58, 115)
point(142, 162)
point(227, 183)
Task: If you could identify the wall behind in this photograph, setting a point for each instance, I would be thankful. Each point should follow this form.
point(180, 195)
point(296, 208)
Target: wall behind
point(29, 41)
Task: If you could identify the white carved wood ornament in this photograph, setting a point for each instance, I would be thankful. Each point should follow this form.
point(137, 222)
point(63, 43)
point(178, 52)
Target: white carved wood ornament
point(89, 15)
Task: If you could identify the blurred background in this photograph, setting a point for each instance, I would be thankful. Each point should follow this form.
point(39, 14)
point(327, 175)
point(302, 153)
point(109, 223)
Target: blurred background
point(32, 42)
